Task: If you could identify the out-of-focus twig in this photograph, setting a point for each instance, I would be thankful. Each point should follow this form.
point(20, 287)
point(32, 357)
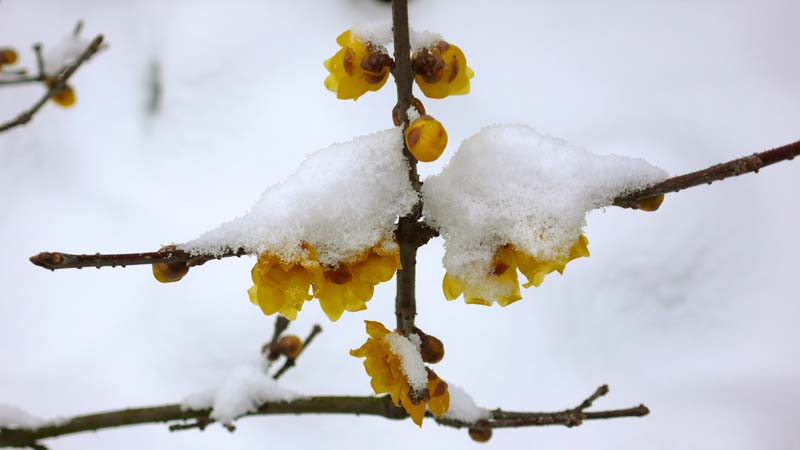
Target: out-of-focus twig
point(290, 362)
point(58, 83)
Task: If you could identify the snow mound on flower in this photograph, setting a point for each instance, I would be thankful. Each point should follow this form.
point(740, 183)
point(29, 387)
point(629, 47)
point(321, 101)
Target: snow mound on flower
point(407, 350)
point(463, 407)
point(64, 53)
point(511, 184)
point(243, 391)
point(343, 199)
point(380, 34)
point(14, 417)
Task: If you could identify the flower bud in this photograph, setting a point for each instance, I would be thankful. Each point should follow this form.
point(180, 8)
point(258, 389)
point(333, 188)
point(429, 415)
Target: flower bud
point(480, 434)
point(431, 349)
point(651, 203)
point(426, 139)
point(64, 96)
point(289, 346)
point(169, 272)
point(8, 56)
point(416, 103)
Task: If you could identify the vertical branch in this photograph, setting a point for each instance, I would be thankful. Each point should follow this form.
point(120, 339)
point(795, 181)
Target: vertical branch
point(405, 302)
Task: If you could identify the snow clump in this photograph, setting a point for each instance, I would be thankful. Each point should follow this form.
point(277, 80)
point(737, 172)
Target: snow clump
point(511, 184)
point(343, 199)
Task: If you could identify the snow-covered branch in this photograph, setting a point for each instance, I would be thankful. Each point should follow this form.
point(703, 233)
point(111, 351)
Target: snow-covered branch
point(420, 232)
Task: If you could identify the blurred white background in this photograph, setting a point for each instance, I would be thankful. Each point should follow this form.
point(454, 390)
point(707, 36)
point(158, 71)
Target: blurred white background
point(691, 310)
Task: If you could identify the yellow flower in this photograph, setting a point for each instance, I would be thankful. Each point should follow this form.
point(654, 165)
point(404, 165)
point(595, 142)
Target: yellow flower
point(8, 56)
point(442, 70)
point(283, 287)
point(64, 97)
point(502, 285)
point(357, 68)
point(387, 375)
point(426, 138)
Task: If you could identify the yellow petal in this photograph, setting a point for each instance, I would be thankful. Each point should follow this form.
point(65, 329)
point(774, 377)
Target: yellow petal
point(451, 286)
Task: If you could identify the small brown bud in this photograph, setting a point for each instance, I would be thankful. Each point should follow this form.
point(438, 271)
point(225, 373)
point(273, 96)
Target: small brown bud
point(289, 346)
point(480, 434)
point(431, 349)
point(169, 272)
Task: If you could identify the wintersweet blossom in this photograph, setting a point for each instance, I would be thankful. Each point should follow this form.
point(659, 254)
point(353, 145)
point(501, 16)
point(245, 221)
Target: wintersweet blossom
point(283, 286)
point(442, 70)
point(358, 67)
point(390, 375)
point(502, 285)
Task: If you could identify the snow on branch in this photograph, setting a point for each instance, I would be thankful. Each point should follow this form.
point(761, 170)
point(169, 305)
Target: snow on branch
point(422, 231)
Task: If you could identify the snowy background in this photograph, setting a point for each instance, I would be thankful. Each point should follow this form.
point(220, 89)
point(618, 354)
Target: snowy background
point(691, 310)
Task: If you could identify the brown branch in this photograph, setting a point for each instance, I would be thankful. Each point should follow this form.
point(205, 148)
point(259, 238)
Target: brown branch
point(716, 172)
point(57, 260)
point(372, 406)
point(405, 300)
point(57, 85)
point(290, 362)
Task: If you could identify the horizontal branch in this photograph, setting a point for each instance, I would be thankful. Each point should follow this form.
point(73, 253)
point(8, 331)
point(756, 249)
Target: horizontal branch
point(716, 172)
point(371, 406)
point(58, 260)
point(420, 232)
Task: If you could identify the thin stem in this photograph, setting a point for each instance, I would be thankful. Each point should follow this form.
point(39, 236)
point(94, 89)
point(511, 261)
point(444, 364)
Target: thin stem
point(736, 167)
point(405, 300)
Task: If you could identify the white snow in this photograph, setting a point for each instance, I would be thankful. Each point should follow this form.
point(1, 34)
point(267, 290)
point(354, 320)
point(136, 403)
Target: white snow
point(360, 186)
point(244, 390)
point(380, 34)
point(511, 184)
point(463, 407)
point(63, 53)
point(15, 418)
point(410, 360)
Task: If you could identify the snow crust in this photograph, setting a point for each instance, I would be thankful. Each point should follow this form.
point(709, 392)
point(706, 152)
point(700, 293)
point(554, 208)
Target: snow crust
point(511, 184)
point(63, 53)
point(244, 390)
point(410, 359)
point(463, 407)
point(380, 34)
point(16, 418)
point(360, 187)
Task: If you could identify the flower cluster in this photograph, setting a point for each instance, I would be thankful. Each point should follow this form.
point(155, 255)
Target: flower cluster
point(396, 367)
point(360, 65)
point(502, 285)
point(283, 286)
